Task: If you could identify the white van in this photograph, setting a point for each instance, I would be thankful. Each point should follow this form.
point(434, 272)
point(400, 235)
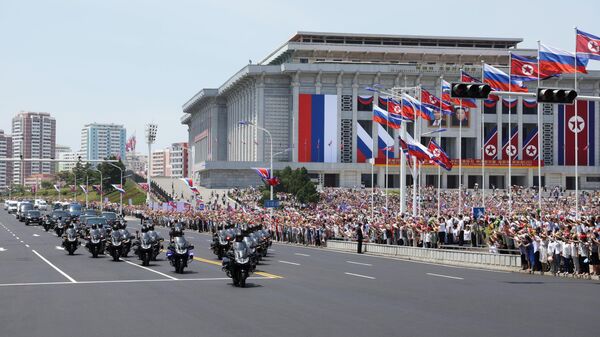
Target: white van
point(41, 205)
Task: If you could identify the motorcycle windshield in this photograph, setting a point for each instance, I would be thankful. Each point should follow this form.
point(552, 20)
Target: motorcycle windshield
point(71, 234)
point(241, 251)
point(146, 241)
point(180, 245)
point(95, 235)
point(115, 238)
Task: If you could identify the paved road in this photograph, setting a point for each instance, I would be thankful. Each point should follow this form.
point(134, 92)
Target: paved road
point(302, 292)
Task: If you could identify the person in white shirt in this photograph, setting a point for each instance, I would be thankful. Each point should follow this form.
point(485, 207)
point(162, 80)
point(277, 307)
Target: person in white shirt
point(442, 231)
point(467, 235)
point(566, 259)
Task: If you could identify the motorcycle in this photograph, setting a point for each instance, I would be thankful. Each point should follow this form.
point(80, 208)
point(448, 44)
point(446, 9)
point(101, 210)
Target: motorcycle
point(179, 253)
point(115, 245)
point(144, 248)
point(221, 243)
point(47, 223)
point(126, 241)
point(59, 228)
point(238, 264)
point(95, 242)
point(157, 245)
point(70, 242)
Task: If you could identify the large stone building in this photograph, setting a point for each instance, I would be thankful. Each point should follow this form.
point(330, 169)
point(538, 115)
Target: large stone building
point(5, 167)
point(101, 141)
point(34, 136)
point(312, 95)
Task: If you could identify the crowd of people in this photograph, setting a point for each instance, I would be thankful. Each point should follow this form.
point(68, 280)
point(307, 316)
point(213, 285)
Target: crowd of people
point(551, 240)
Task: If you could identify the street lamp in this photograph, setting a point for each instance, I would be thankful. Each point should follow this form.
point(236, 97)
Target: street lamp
point(120, 194)
point(101, 187)
point(243, 122)
point(151, 130)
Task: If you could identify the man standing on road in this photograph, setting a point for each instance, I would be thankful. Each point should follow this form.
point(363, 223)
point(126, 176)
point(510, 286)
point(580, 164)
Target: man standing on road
point(359, 238)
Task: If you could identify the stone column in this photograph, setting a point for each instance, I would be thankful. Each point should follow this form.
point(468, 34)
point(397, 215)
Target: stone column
point(355, 112)
point(294, 133)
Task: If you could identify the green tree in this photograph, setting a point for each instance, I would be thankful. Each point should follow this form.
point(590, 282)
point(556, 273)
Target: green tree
point(111, 174)
point(46, 184)
point(296, 182)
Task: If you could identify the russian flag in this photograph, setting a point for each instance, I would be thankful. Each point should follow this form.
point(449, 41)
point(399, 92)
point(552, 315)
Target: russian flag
point(119, 188)
point(385, 142)
point(383, 117)
point(416, 149)
point(499, 80)
point(555, 61)
point(588, 46)
point(317, 126)
point(189, 182)
point(364, 144)
point(467, 102)
point(411, 107)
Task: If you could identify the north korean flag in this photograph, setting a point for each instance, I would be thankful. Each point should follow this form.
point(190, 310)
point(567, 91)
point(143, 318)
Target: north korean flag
point(435, 103)
point(525, 69)
point(530, 146)
point(439, 156)
point(588, 46)
point(510, 147)
point(490, 148)
point(580, 126)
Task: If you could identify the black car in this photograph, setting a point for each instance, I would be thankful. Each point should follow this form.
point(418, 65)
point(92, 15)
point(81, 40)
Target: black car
point(111, 217)
point(55, 215)
point(33, 216)
point(23, 209)
point(88, 221)
point(90, 212)
point(74, 211)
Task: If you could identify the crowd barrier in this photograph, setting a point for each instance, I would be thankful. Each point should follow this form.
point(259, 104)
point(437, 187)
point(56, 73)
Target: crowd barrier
point(443, 256)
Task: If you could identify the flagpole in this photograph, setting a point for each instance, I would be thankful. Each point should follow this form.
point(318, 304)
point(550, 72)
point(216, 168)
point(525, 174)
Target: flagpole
point(539, 144)
point(402, 163)
point(414, 192)
point(460, 155)
point(386, 179)
point(439, 173)
point(420, 171)
point(576, 138)
point(86, 192)
point(483, 139)
point(509, 137)
point(372, 161)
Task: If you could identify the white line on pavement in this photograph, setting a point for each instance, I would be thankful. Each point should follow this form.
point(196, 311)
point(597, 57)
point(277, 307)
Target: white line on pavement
point(36, 235)
point(292, 263)
point(127, 281)
point(359, 275)
point(2, 249)
point(59, 248)
point(152, 270)
point(26, 245)
point(17, 238)
point(300, 254)
point(55, 267)
point(360, 263)
point(446, 276)
point(22, 241)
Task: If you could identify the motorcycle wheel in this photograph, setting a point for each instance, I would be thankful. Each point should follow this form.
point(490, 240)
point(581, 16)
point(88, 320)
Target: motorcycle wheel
point(177, 264)
point(46, 228)
point(146, 259)
point(220, 255)
point(235, 279)
point(71, 249)
point(116, 255)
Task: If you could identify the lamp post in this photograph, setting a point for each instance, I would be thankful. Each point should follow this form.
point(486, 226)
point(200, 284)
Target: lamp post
point(120, 194)
point(101, 187)
point(270, 143)
point(150, 139)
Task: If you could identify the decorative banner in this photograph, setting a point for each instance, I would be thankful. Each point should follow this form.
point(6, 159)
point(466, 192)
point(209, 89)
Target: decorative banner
point(73, 188)
point(57, 188)
point(97, 188)
point(470, 163)
point(530, 146)
point(510, 148)
point(33, 188)
point(119, 188)
point(490, 147)
point(317, 128)
point(580, 126)
point(365, 103)
point(84, 189)
point(364, 144)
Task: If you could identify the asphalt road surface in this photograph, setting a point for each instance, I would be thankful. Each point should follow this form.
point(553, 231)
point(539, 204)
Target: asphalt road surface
point(299, 292)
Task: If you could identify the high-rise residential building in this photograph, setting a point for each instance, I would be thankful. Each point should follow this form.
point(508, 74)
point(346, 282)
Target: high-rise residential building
point(58, 151)
point(6, 168)
point(179, 160)
point(136, 162)
point(34, 136)
point(70, 163)
point(100, 141)
point(160, 165)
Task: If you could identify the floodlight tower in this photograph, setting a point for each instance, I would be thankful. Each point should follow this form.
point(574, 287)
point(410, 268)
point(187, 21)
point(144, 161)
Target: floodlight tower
point(150, 139)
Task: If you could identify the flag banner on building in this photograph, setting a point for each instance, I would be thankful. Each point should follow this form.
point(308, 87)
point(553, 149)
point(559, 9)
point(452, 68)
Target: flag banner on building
point(530, 146)
point(144, 186)
point(385, 142)
point(383, 117)
point(365, 103)
point(529, 106)
point(383, 102)
point(580, 126)
point(509, 102)
point(364, 144)
point(97, 188)
point(490, 147)
point(510, 148)
point(57, 188)
point(439, 156)
point(73, 188)
point(555, 61)
point(84, 189)
point(317, 126)
point(119, 188)
point(489, 106)
point(469, 163)
point(434, 103)
point(588, 46)
point(500, 80)
point(411, 108)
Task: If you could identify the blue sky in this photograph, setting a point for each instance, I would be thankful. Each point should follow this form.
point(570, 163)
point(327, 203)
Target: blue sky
point(136, 61)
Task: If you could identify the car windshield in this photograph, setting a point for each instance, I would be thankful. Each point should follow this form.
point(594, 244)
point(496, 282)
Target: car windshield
point(34, 213)
point(26, 207)
point(109, 215)
point(57, 214)
point(95, 220)
point(75, 208)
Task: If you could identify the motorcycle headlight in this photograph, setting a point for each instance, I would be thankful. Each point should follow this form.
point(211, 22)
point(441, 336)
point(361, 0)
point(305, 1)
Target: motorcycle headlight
point(180, 250)
point(242, 260)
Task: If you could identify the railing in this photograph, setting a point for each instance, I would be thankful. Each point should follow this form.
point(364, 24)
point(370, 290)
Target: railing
point(444, 256)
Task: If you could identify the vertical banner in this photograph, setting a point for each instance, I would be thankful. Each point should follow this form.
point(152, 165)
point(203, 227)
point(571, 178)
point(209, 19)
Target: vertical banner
point(491, 145)
point(385, 143)
point(530, 146)
point(364, 144)
point(509, 147)
point(317, 128)
point(580, 126)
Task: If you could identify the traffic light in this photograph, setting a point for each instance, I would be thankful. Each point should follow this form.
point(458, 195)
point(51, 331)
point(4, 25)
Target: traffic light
point(555, 95)
point(470, 90)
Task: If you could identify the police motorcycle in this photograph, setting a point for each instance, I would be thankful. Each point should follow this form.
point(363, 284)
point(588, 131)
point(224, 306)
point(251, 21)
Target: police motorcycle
point(157, 240)
point(95, 241)
point(237, 263)
point(115, 243)
point(252, 244)
point(143, 247)
point(127, 237)
point(70, 241)
point(222, 242)
point(47, 223)
point(59, 227)
point(179, 251)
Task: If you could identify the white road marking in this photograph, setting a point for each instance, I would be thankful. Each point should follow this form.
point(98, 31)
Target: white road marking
point(22, 241)
point(55, 267)
point(360, 263)
point(152, 270)
point(359, 275)
point(17, 238)
point(292, 263)
point(59, 248)
point(26, 245)
point(300, 254)
point(36, 235)
point(2, 249)
point(446, 276)
point(128, 281)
